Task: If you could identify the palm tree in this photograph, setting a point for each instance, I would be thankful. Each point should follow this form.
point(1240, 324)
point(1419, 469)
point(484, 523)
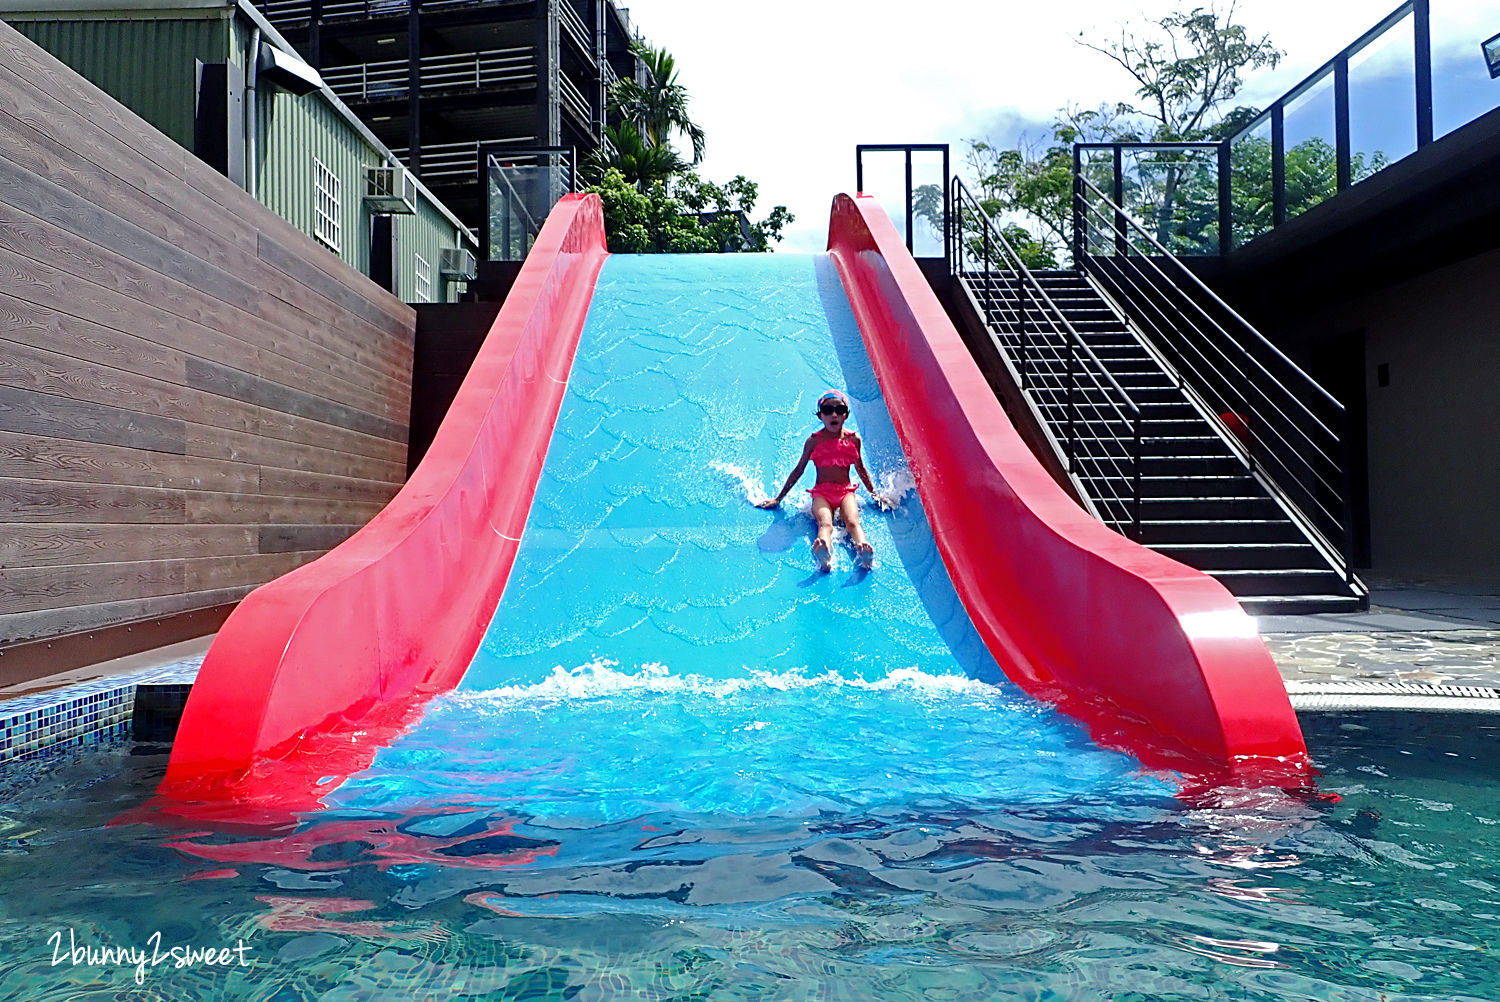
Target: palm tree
point(657, 108)
point(626, 150)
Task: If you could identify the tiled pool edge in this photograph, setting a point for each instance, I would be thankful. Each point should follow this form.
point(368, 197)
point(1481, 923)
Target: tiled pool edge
point(145, 705)
point(89, 713)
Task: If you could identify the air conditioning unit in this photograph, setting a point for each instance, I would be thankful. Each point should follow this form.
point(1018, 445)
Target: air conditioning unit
point(457, 264)
point(390, 190)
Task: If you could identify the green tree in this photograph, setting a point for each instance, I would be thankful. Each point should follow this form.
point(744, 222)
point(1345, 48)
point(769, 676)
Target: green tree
point(1187, 67)
point(653, 202)
point(659, 107)
point(641, 162)
point(685, 215)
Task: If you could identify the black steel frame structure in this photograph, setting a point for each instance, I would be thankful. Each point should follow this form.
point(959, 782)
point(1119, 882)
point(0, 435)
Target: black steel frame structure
point(1274, 117)
point(909, 202)
point(436, 79)
point(1290, 431)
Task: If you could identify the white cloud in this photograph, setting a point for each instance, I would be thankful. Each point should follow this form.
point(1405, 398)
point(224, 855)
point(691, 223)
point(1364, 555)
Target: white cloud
point(785, 90)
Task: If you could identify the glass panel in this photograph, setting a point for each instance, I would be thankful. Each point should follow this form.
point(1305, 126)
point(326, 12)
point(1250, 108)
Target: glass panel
point(1174, 195)
point(1098, 167)
point(1311, 148)
point(521, 191)
point(885, 180)
point(1461, 86)
point(927, 207)
point(1250, 181)
point(1383, 101)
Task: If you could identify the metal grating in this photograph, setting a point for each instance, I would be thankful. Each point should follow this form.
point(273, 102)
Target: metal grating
point(1325, 697)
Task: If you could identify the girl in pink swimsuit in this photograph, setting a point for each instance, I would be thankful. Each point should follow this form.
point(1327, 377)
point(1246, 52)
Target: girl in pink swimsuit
point(832, 450)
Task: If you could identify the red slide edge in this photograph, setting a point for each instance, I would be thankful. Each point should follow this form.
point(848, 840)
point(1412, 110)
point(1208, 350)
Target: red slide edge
point(1153, 657)
point(315, 669)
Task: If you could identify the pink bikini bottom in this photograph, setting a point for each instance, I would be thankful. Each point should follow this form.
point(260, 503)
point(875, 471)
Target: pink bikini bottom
point(833, 493)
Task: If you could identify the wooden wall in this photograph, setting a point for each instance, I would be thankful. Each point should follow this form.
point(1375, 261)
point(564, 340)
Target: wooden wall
point(194, 397)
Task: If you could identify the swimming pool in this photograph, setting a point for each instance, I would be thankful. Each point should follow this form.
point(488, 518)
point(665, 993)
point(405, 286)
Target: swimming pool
point(686, 765)
point(1389, 893)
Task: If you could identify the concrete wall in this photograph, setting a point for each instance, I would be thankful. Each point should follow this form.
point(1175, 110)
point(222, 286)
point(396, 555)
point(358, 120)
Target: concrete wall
point(1434, 430)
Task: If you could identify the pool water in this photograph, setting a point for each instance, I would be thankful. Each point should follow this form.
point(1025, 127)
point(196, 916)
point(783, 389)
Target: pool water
point(687, 765)
point(1389, 893)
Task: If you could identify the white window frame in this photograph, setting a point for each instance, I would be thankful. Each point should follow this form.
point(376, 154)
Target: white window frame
point(328, 213)
point(424, 280)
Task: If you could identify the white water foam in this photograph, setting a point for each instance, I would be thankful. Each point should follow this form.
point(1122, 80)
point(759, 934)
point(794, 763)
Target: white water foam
point(601, 679)
point(749, 486)
point(892, 486)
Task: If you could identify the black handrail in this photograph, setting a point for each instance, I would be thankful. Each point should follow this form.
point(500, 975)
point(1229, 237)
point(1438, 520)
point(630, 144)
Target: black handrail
point(1290, 429)
point(1029, 329)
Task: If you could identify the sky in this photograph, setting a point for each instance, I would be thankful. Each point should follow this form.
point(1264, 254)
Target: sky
point(785, 89)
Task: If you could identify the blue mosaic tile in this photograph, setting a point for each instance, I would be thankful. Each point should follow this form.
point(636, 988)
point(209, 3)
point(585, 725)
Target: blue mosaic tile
point(89, 712)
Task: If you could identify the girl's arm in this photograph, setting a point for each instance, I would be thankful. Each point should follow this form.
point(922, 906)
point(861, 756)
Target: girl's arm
point(807, 448)
point(864, 474)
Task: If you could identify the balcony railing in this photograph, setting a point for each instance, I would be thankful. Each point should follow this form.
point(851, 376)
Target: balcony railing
point(574, 101)
point(573, 24)
point(1415, 76)
point(456, 163)
point(286, 12)
point(469, 71)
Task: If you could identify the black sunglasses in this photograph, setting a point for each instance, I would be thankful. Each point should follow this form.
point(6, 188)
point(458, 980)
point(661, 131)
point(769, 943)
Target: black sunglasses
point(833, 409)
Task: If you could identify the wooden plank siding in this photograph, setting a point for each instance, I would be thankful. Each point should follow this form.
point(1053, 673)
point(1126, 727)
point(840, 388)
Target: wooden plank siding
point(195, 397)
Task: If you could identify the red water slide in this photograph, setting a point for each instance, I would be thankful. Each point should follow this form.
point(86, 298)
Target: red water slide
point(313, 667)
point(1154, 657)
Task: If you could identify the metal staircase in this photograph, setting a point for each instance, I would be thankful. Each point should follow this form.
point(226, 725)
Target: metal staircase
point(1159, 420)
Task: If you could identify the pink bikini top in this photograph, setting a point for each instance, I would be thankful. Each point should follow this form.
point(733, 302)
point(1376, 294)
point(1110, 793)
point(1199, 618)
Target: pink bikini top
point(839, 451)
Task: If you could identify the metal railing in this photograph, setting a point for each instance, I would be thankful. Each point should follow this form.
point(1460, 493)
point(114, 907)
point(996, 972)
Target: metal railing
point(448, 163)
point(1368, 107)
point(573, 100)
point(572, 23)
point(1284, 425)
point(1093, 421)
point(283, 12)
point(468, 71)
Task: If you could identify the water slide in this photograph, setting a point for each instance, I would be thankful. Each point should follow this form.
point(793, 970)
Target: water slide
point(588, 506)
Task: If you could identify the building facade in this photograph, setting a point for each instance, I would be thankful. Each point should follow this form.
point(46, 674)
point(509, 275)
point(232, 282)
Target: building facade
point(222, 82)
point(440, 80)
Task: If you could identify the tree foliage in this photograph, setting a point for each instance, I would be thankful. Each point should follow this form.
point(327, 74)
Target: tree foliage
point(1187, 66)
point(685, 215)
point(1187, 70)
point(653, 201)
point(659, 107)
point(641, 163)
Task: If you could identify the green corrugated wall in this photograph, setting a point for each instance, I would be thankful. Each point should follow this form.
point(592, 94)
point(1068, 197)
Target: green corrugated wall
point(147, 64)
point(157, 82)
point(294, 130)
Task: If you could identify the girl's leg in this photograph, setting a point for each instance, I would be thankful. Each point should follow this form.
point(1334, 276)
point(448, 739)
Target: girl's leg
point(822, 513)
point(849, 508)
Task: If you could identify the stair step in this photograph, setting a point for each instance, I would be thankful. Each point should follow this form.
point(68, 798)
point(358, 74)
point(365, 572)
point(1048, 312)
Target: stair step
point(1185, 531)
point(1209, 509)
point(1289, 605)
point(1281, 581)
point(1208, 486)
point(1244, 556)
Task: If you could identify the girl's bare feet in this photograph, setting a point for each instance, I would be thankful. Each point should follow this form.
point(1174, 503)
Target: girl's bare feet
point(865, 552)
point(823, 553)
